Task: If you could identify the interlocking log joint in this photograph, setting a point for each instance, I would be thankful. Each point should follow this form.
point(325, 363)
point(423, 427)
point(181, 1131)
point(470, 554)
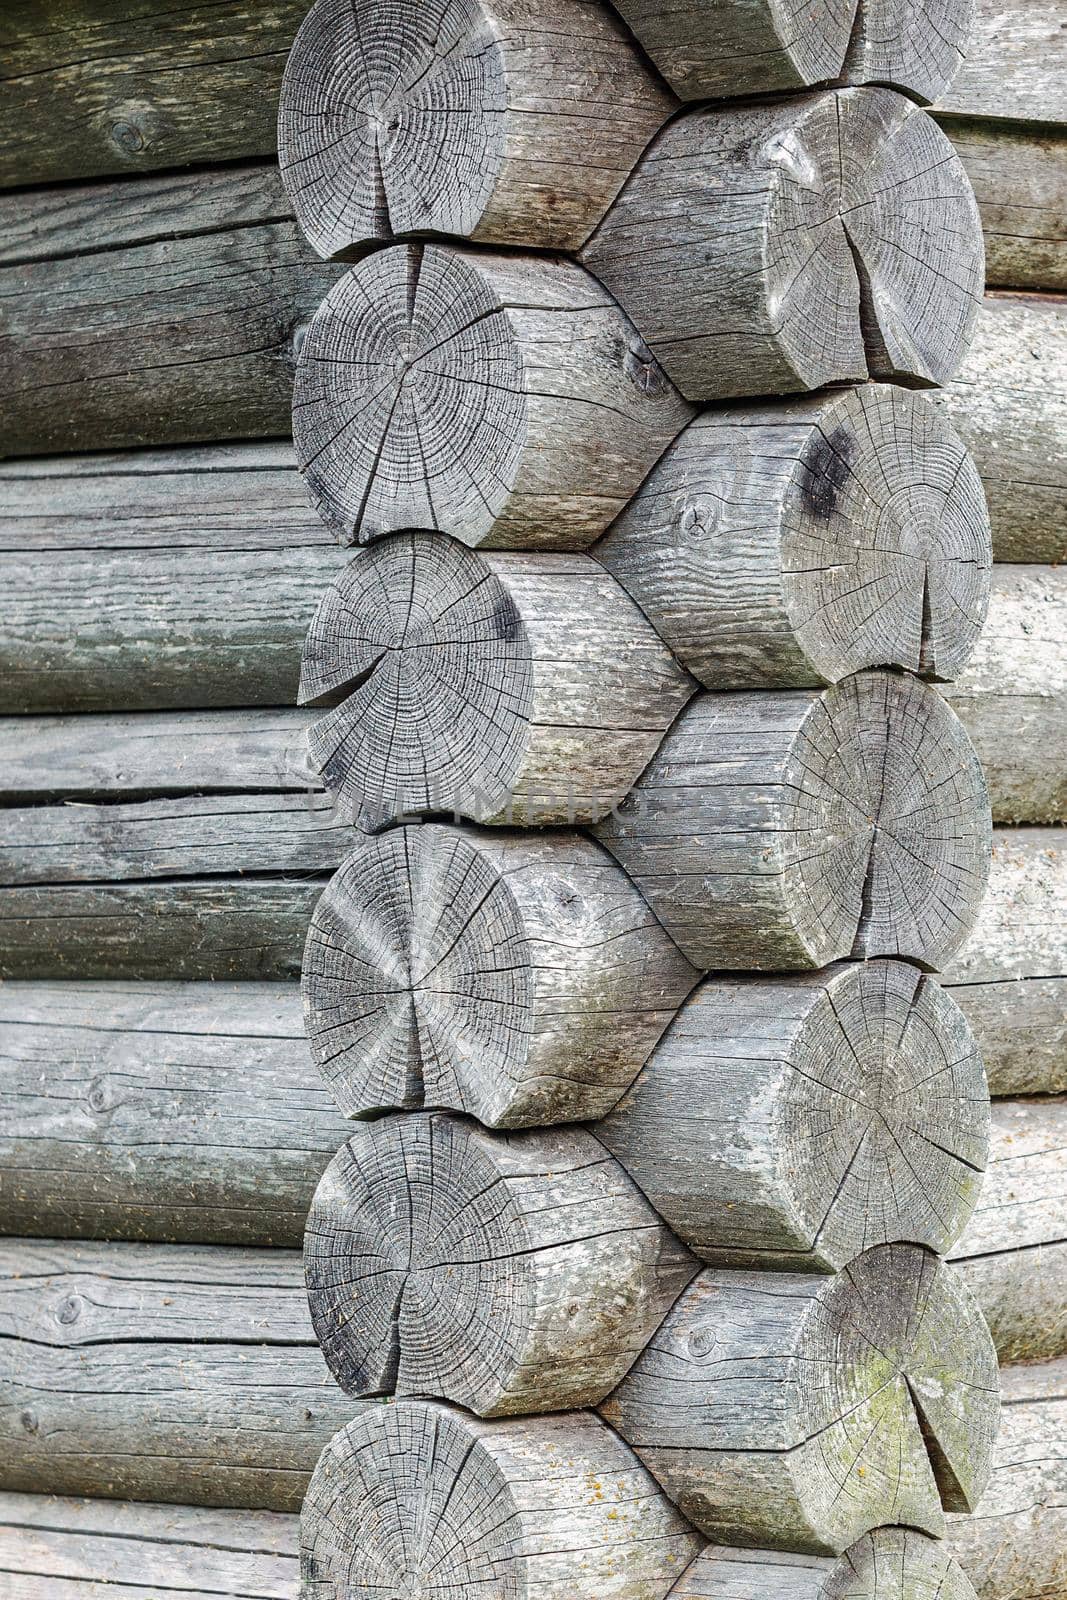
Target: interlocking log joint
point(888, 1564)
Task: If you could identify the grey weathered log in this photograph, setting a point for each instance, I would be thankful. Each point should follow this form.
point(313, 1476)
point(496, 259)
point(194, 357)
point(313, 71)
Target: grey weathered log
point(1009, 403)
point(782, 831)
point(185, 330)
point(888, 1564)
point(160, 1111)
point(1010, 978)
point(1015, 1545)
point(1014, 1249)
point(63, 1549)
point(171, 1372)
point(1012, 71)
point(710, 50)
point(1012, 695)
point(786, 245)
point(469, 117)
point(1019, 177)
point(525, 688)
point(723, 1410)
point(504, 399)
point(796, 1122)
point(519, 978)
point(509, 1273)
point(547, 1507)
point(112, 88)
point(795, 542)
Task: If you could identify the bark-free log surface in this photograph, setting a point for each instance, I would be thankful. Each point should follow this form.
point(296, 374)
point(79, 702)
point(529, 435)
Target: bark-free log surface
point(511, 687)
point(1010, 978)
point(1014, 1249)
point(1012, 695)
point(1009, 402)
point(888, 1564)
point(797, 1122)
point(160, 1373)
point(1019, 177)
point(786, 830)
point(507, 1272)
point(160, 1111)
point(184, 327)
point(779, 247)
point(521, 979)
point(797, 542)
point(549, 1507)
point(800, 1411)
point(63, 1549)
point(470, 117)
point(504, 399)
point(1012, 71)
point(1015, 1545)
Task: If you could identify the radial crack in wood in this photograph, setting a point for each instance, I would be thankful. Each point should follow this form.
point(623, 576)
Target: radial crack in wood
point(784, 246)
point(507, 1272)
point(469, 117)
point(525, 688)
point(784, 831)
point(504, 399)
point(917, 45)
point(799, 542)
point(417, 1498)
point(797, 1122)
point(519, 978)
point(888, 1564)
point(800, 1411)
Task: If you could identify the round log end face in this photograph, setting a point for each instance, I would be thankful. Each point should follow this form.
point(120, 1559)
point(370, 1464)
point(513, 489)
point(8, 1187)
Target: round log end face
point(409, 408)
point(890, 832)
point(433, 1269)
point(421, 649)
point(917, 45)
point(886, 545)
point(897, 1564)
point(391, 120)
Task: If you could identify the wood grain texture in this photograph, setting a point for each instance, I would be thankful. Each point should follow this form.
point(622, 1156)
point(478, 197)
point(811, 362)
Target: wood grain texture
point(174, 1373)
point(184, 328)
point(1012, 695)
point(510, 1273)
point(546, 1507)
point(121, 87)
point(722, 1410)
point(1019, 176)
point(778, 247)
point(161, 1111)
point(1015, 1545)
point(468, 117)
point(503, 399)
point(519, 978)
point(1009, 404)
point(796, 1122)
point(1010, 978)
point(1012, 71)
point(888, 1564)
point(1014, 1249)
point(507, 688)
point(58, 1548)
point(796, 542)
point(781, 831)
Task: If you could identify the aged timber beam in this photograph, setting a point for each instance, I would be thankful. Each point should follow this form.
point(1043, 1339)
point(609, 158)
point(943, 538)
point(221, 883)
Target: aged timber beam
point(722, 1409)
point(1012, 67)
point(510, 1273)
point(1019, 177)
point(888, 1564)
point(180, 1373)
point(517, 977)
point(468, 117)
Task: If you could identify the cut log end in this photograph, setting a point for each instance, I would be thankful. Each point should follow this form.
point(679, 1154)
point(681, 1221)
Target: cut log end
point(507, 1273)
point(821, 1118)
point(520, 982)
point(416, 1498)
point(840, 239)
point(460, 117)
point(917, 45)
point(901, 1422)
